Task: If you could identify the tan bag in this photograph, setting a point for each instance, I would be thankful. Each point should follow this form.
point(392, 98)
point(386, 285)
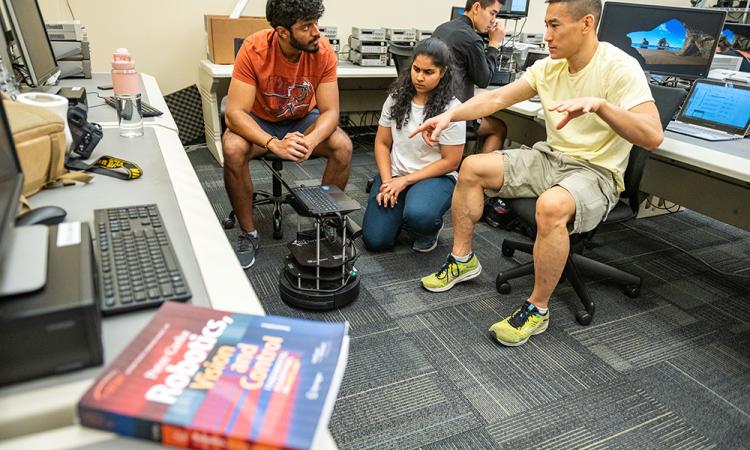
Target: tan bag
point(39, 135)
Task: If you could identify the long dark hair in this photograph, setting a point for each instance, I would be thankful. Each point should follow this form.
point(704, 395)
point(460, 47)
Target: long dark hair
point(402, 90)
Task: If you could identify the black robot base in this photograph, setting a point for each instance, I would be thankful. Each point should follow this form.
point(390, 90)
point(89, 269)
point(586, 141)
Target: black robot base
point(318, 300)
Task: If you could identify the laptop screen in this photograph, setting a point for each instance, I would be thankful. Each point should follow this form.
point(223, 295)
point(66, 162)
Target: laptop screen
point(717, 105)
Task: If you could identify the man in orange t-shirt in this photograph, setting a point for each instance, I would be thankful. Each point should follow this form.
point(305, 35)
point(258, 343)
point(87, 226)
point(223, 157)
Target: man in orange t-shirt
point(283, 98)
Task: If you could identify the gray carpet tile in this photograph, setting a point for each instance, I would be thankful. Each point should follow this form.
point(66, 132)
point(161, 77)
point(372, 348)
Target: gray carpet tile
point(669, 369)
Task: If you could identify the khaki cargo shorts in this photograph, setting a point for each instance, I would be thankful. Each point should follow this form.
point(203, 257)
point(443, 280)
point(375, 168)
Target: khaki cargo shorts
point(529, 171)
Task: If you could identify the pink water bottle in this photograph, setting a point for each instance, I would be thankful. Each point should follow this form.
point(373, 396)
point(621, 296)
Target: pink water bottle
point(124, 76)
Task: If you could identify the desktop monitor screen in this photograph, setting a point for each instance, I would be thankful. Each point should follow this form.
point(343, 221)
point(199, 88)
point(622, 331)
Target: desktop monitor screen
point(31, 36)
point(738, 35)
point(11, 182)
point(665, 40)
point(457, 11)
point(514, 9)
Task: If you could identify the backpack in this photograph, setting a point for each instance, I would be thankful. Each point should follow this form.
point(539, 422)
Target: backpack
point(40, 144)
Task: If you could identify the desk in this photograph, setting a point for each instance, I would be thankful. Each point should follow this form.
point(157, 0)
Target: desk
point(106, 116)
point(369, 84)
point(41, 413)
point(712, 178)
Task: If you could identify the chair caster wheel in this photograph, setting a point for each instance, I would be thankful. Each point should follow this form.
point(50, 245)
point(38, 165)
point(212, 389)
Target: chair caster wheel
point(504, 288)
point(632, 291)
point(507, 251)
point(277, 233)
point(583, 317)
point(227, 223)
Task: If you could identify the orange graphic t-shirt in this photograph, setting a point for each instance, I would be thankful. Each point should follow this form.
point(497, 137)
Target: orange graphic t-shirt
point(285, 90)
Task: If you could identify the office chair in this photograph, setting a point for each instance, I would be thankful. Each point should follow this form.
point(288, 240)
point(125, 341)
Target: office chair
point(668, 100)
point(276, 197)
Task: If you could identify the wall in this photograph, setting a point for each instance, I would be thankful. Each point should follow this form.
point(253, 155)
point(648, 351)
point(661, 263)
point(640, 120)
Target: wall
point(168, 39)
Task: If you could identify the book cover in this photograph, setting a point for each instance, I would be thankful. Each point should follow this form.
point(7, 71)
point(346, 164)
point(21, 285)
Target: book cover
point(201, 378)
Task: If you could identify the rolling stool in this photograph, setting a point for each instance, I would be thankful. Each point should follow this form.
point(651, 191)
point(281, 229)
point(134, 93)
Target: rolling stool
point(276, 198)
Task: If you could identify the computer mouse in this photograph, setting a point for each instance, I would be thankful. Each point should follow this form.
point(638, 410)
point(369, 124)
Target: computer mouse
point(45, 215)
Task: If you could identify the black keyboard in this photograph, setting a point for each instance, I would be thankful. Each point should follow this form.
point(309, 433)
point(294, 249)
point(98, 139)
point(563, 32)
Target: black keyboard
point(137, 266)
point(315, 196)
point(148, 110)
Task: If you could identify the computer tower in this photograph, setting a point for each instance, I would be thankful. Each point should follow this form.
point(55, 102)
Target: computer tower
point(56, 329)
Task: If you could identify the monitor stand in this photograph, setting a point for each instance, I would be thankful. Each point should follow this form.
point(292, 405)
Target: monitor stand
point(23, 267)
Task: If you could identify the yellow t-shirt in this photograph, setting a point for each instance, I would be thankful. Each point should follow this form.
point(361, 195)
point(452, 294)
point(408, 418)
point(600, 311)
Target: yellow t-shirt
point(612, 75)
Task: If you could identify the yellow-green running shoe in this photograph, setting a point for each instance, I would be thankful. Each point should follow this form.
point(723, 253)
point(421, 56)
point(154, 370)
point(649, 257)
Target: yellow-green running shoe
point(525, 322)
point(451, 273)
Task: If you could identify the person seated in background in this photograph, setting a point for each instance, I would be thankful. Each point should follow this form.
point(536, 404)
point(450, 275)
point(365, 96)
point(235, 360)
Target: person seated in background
point(598, 104)
point(284, 99)
point(475, 64)
point(725, 48)
point(415, 182)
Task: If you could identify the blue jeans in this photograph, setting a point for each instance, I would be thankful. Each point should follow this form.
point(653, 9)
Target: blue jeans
point(420, 209)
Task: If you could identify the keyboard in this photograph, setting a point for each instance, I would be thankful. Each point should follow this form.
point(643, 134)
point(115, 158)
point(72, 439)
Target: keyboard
point(315, 196)
point(701, 132)
point(137, 267)
point(148, 110)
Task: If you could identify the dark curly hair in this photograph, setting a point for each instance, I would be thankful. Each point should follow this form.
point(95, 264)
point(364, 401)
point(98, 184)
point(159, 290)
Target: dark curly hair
point(285, 13)
point(402, 90)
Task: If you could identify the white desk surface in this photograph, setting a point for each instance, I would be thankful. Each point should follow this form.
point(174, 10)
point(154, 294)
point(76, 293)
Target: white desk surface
point(107, 117)
point(525, 108)
point(708, 156)
point(344, 69)
point(35, 415)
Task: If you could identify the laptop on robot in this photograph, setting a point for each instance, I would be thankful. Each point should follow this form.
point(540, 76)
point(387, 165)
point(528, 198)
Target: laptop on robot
point(318, 200)
point(715, 111)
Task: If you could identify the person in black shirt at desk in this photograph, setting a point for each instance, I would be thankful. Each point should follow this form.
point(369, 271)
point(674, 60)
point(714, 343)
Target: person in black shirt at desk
point(475, 64)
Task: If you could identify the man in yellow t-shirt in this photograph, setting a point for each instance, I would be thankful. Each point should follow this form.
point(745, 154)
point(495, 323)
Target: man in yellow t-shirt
point(597, 103)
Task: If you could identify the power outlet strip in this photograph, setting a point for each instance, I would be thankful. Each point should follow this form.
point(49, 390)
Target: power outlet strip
point(655, 206)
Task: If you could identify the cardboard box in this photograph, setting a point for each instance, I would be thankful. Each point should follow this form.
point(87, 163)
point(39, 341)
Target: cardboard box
point(221, 33)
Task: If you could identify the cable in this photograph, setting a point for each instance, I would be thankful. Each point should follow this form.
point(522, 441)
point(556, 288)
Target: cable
point(67, 2)
point(682, 250)
point(98, 96)
point(650, 204)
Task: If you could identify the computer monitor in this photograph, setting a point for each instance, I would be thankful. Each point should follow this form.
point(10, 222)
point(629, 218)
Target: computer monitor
point(738, 35)
point(514, 9)
point(31, 37)
point(457, 11)
point(665, 40)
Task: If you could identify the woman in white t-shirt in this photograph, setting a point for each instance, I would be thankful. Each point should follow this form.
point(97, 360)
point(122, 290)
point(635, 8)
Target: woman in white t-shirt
point(415, 183)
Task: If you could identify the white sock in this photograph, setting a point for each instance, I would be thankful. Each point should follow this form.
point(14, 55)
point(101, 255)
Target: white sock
point(463, 259)
point(542, 311)
point(253, 233)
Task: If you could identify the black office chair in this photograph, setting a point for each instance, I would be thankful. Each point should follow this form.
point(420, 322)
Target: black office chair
point(276, 197)
point(668, 100)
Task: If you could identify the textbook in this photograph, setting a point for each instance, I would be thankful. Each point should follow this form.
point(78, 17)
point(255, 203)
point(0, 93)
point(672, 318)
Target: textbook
point(201, 378)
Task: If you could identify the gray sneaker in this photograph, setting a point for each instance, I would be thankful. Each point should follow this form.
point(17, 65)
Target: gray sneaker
point(247, 247)
point(426, 243)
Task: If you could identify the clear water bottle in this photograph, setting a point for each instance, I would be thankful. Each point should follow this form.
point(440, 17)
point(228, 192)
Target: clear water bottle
point(127, 93)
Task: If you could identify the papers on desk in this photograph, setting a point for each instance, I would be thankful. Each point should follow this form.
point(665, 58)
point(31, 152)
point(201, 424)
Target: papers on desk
point(201, 378)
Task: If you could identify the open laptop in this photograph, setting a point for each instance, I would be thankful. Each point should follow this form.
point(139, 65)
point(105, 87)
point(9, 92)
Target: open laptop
point(318, 200)
point(715, 111)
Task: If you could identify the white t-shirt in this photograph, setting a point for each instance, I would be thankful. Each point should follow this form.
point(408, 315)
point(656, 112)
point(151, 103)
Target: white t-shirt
point(411, 155)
